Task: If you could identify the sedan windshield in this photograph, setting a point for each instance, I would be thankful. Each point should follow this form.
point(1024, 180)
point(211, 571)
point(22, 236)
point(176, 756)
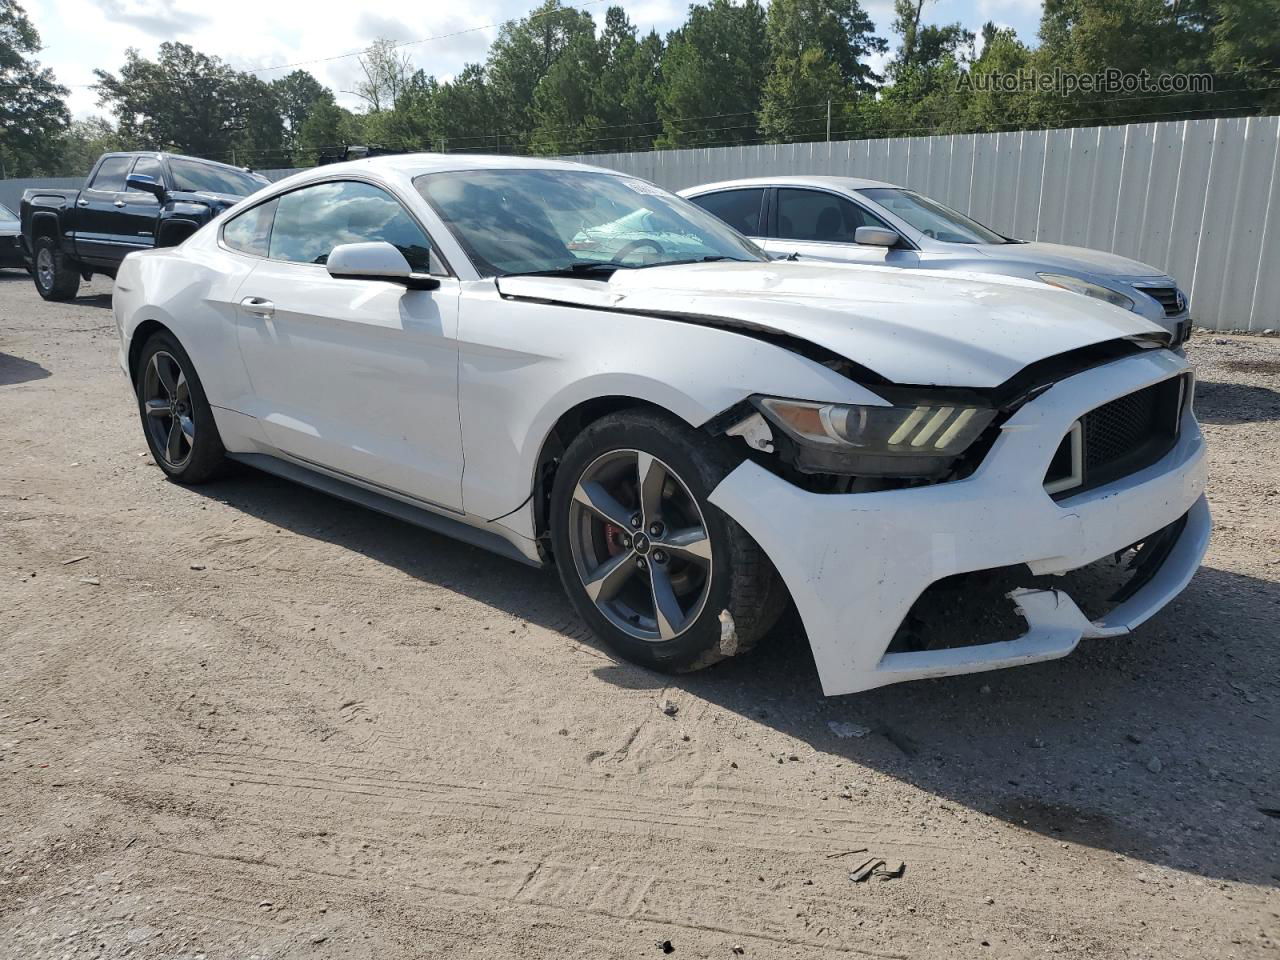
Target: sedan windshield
point(6, 213)
point(930, 217)
point(194, 176)
point(574, 221)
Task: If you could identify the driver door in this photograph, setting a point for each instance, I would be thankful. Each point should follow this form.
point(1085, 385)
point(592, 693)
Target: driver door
point(357, 376)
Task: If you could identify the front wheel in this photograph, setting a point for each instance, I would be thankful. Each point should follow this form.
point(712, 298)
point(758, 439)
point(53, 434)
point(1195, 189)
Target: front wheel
point(56, 276)
point(661, 575)
point(176, 417)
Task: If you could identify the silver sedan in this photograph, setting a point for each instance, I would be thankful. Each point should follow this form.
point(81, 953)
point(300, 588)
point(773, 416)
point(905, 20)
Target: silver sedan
point(850, 220)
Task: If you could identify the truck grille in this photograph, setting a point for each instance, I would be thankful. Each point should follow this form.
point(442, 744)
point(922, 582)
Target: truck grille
point(1118, 438)
point(1168, 297)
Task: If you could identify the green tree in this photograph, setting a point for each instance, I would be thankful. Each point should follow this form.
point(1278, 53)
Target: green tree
point(713, 73)
point(1090, 36)
point(819, 54)
point(194, 103)
point(565, 102)
point(522, 56)
point(987, 108)
point(327, 129)
point(83, 142)
point(298, 94)
point(469, 112)
point(33, 109)
point(626, 92)
point(1245, 36)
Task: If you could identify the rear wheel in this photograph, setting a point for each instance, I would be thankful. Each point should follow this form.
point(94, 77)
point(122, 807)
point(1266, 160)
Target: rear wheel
point(56, 276)
point(176, 417)
point(662, 576)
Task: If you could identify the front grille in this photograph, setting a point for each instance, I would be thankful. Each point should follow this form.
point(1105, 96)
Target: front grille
point(1118, 438)
point(1168, 298)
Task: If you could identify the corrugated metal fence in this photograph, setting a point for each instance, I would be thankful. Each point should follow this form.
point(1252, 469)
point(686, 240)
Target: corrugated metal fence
point(1199, 199)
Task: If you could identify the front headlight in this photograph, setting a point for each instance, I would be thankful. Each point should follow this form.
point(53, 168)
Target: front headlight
point(1097, 291)
point(923, 440)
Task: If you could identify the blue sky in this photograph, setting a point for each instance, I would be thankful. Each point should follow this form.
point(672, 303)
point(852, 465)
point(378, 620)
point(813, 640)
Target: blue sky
point(79, 35)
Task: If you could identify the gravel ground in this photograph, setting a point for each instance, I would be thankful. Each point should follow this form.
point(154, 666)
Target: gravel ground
point(246, 720)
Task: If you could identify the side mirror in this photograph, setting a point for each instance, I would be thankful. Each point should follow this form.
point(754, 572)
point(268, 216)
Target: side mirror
point(876, 236)
point(145, 184)
point(375, 260)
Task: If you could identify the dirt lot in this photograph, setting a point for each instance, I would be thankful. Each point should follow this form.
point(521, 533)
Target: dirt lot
point(248, 721)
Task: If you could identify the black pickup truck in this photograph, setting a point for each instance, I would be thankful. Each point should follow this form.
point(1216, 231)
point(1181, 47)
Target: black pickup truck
point(130, 201)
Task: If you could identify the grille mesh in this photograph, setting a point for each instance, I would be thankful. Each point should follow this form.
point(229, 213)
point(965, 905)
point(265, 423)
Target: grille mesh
point(1119, 428)
point(1167, 297)
point(1121, 437)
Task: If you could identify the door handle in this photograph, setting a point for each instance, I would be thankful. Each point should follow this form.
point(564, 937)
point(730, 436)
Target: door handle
point(258, 307)
point(82, 203)
point(119, 203)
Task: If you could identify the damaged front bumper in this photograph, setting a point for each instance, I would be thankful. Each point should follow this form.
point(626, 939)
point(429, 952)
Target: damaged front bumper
point(855, 563)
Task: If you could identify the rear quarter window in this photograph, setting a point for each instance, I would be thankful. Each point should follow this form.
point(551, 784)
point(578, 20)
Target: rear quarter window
point(250, 232)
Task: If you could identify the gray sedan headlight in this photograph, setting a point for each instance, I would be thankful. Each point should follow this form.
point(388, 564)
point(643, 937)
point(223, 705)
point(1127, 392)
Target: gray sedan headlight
point(1097, 291)
point(923, 440)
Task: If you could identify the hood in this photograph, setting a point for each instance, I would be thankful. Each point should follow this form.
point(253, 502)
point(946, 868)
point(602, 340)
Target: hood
point(1048, 257)
point(910, 326)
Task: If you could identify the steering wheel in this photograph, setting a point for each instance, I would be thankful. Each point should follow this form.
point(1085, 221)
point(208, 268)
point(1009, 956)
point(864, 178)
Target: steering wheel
point(930, 234)
point(633, 246)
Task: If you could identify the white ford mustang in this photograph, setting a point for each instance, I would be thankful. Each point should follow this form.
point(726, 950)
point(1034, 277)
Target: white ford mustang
point(692, 433)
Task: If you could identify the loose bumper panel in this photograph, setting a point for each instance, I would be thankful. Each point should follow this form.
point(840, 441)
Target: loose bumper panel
point(855, 563)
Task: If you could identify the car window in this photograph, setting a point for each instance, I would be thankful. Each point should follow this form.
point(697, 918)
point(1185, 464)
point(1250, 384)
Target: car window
point(195, 176)
point(111, 174)
point(6, 213)
point(532, 221)
point(819, 216)
point(930, 217)
point(148, 167)
point(310, 222)
point(250, 232)
point(740, 209)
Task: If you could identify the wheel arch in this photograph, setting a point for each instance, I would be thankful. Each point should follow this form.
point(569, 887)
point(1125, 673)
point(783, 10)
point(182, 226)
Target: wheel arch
point(138, 339)
point(43, 225)
point(562, 433)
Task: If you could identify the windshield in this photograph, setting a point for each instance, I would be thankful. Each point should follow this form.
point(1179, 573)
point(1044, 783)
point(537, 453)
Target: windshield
point(191, 175)
point(6, 213)
point(535, 221)
point(930, 217)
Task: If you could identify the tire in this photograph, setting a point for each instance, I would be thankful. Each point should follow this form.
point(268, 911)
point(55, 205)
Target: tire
point(168, 385)
point(734, 577)
point(56, 275)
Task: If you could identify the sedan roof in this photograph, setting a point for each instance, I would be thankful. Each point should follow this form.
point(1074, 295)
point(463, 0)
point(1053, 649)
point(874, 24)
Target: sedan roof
point(415, 164)
point(838, 183)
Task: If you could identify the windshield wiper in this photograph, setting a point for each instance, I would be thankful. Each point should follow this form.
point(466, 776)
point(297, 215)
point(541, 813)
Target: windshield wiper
point(678, 263)
point(585, 269)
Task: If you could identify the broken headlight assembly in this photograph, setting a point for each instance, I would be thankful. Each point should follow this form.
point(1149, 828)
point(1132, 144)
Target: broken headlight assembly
point(919, 440)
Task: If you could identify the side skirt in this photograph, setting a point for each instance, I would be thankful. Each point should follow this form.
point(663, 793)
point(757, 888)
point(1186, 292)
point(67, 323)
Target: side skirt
point(391, 507)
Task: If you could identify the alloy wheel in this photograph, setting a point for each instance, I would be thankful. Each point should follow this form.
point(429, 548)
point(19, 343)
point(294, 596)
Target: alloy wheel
point(166, 400)
point(44, 268)
point(640, 545)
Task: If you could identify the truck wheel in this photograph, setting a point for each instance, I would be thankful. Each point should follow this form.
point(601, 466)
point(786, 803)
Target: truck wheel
point(56, 276)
